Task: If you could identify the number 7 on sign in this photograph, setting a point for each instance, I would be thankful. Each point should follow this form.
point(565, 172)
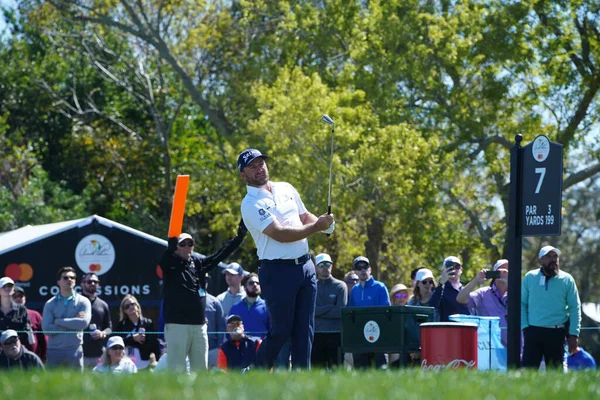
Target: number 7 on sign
point(542, 172)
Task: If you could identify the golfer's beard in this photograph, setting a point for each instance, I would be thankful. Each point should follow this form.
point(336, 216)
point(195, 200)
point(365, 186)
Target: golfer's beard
point(551, 269)
point(259, 181)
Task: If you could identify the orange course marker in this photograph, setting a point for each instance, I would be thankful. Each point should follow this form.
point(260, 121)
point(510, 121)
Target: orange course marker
point(176, 222)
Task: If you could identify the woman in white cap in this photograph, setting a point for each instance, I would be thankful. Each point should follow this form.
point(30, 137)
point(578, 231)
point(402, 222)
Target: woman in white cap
point(13, 315)
point(114, 360)
point(424, 286)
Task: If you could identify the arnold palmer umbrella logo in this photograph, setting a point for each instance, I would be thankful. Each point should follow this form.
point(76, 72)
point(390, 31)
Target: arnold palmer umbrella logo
point(371, 331)
point(95, 253)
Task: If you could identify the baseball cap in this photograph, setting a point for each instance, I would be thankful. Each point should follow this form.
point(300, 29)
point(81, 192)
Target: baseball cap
point(115, 341)
point(5, 281)
point(547, 249)
point(322, 258)
point(499, 263)
point(7, 334)
point(235, 269)
point(233, 318)
point(397, 288)
point(247, 156)
point(423, 274)
point(361, 259)
point(452, 259)
point(19, 289)
point(183, 237)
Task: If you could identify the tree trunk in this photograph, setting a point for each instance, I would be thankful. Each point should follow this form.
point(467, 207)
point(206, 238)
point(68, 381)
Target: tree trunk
point(375, 229)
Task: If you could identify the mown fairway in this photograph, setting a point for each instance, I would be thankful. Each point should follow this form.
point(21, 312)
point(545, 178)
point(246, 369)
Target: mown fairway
point(406, 384)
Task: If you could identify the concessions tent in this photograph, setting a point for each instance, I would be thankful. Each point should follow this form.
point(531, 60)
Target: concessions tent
point(125, 259)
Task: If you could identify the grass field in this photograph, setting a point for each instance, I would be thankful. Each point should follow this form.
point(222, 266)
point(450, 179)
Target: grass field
point(398, 384)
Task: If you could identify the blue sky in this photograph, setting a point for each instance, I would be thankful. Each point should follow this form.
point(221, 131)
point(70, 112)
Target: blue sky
point(5, 4)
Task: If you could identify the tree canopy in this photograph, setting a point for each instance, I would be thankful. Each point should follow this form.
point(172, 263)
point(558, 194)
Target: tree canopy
point(106, 102)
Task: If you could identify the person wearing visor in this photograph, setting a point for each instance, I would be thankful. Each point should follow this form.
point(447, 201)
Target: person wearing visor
point(331, 297)
point(444, 296)
point(489, 301)
point(114, 360)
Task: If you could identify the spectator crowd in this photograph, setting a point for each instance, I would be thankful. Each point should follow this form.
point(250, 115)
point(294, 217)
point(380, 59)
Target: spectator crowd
point(76, 331)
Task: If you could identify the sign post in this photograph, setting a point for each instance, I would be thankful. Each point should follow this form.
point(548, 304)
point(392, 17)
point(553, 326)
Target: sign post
point(535, 209)
point(542, 188)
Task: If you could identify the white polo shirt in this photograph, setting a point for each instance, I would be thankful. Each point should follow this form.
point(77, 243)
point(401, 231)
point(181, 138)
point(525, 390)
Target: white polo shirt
point(261, 207)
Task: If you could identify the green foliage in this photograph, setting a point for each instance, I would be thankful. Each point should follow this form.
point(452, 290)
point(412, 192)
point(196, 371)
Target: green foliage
point(115, 99)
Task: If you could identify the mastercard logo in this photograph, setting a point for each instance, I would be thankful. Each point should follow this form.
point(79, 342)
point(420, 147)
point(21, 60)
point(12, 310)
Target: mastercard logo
point(19, 272)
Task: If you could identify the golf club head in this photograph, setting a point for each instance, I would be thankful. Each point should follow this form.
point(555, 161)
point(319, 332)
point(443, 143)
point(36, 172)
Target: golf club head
point(325, 118)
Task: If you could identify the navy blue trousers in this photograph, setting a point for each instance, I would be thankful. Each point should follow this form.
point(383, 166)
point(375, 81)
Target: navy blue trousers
point(290, 292)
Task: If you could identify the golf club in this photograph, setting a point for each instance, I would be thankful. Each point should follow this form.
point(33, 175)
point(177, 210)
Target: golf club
point(325, 118)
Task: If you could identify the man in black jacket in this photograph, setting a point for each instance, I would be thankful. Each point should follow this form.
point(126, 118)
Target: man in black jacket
point(100, 326)
point(15, 356)
point(184, 275)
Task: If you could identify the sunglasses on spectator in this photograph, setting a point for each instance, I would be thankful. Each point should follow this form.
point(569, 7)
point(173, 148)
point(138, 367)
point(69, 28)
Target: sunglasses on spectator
point(92, 282)
point(117, 348)
point(253, 283)
point(353, 280)
point(451, 264)
point(10, 341)
point(69, 278)
point(428, 282)
point(187, 243)
point(401, 295)
point(128, 306)
point(360, 267)
point(325, 264)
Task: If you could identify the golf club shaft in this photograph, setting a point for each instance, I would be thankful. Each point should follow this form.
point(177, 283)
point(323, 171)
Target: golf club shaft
point(330, 170)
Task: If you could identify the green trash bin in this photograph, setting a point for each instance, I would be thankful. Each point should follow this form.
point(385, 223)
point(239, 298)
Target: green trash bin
point(384, 329)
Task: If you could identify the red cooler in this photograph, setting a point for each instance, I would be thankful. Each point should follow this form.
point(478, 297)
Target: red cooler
point(448, 345)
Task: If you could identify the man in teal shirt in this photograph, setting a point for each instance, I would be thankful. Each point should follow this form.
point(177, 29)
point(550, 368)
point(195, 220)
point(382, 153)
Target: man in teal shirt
point(550, 311)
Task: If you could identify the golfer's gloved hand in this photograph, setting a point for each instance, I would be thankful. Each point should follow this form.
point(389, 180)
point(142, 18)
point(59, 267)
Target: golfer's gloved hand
point(172, 244)
point(242, 230)
point(330, 229)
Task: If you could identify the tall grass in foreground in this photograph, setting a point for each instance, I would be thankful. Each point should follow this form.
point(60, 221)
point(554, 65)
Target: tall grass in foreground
point(256, 385)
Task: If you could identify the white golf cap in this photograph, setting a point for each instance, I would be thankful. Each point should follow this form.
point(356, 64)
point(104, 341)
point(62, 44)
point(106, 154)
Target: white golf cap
point(322, 258)
point(184, 236)
point(547, 249)
point(452, 259)
point(115, 341)
point(5, 281)
point(7, 334)
point(423, 274)
point(500, 263)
